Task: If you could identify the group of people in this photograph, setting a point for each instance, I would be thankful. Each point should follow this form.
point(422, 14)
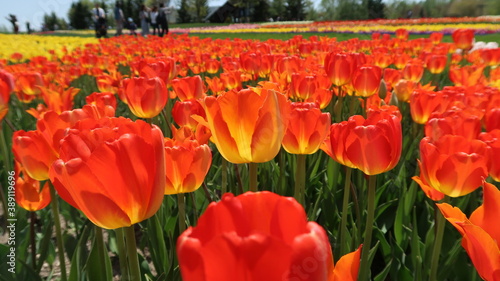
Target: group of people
point(156, 17)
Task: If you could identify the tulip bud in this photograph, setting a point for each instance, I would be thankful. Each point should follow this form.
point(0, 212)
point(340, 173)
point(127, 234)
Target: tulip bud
point(382, 92)
point(394, 100)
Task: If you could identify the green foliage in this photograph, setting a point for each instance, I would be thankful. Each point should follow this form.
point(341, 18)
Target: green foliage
point(295, 9)
point(52, 22)
point(350, 10)
point(183, 15)
point(466, 8)
point(376, 9)
point(80, 15)
point(277, 9)
point(200, 10)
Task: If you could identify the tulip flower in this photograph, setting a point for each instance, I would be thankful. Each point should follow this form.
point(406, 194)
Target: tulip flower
point(453, 164)
point(468, 75)
point(59, 99)
point(247, 126)
point(481, 232)
point(6, 87)
point(27, 83)
point(187, 163)
point(231, 80)
point(436, 63)
point(491, 57)
point(413, 70)
point(366, 80)
point(187, 88)
point(372, 145)
point(145, 97)
point(402, 34)
point(302, 86)
point(307, 129)
point(112, 169)
point(339, 67)
point(436, 37)
point(259, 236)
point(463, 38)
point(29, 195)
point(423, 103)
point(183, 110)
point(492, 139)
point(453, 122)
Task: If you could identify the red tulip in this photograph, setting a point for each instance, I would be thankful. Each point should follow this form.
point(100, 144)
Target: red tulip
point(366, 80)
point(190, 87)
point(340, 67)
point(481, 232)
point(423, 103)
point(436, 63)
point(463, 38)
point(453, 122)
point(145, 97)
point(372, 145)
point(492, 139)
point(259, 236)
point(307, 129)
point(413, 70)
point(112, 169)
point(454, 165)
point(28, 193)
point(183, 110)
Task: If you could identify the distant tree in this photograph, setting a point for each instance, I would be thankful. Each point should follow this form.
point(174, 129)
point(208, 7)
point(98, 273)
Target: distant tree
point(80, 15)
point(183, 12)
point(295, 9)
point(200, 9)
point(376, 9)
point(277, 9)
point(350, 10)
point(261, 11)
point(327, 8)
point(52, 22)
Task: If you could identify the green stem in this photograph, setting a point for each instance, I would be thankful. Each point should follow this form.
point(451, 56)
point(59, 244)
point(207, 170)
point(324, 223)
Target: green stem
point(99, 241)
point(32, 239)
point(224, 176)
point(182, 212)
point(7, 165)
point(122, 253)
point(300, 179)
point(133, 260)
point(345, 203)
point(57, 222)
point(338, 107)
point(282, 179)
point(364, 268)
point(252, 174)
point(438, 242)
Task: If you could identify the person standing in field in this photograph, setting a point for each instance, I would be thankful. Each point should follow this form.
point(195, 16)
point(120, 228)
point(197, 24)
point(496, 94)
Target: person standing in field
point(119, 18)
point(154, 20)
point(162, 20)
point(99, 17)
point(145, 20)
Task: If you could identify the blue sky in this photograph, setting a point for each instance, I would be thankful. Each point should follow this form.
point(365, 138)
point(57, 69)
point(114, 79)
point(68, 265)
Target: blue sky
point(33, 10)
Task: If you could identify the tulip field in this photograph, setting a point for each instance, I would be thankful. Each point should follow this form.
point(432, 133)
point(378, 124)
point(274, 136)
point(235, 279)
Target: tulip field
point(194, 158)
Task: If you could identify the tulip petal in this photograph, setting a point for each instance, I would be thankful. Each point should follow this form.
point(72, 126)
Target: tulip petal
point(346, 269)
point(486, 215)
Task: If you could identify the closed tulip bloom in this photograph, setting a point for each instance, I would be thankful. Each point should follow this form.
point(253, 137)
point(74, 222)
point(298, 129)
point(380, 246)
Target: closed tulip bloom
point(6, 87)
point(436, 37)
point(183, 110)
point(413, 70)
point(302, 86)
point(366, 80)
point(307, 128)
point(190, 87)
point(259, 236)
point(453, 122)
point(372, 145)
point(481, 232)
point(231, 79)
point(492, 139)
point(492, 118)
point(146, 97)
point(112, 169)
point(454, 165)
point(34, 152)
point(423, 103)
point(248, 126)
point(339, 67)
point(491, 57)
point(402, 34)
point(251, 62)
point(187, 163)
point(436, 63)
point(29, 196)
point(463, 38)
point(403, 89)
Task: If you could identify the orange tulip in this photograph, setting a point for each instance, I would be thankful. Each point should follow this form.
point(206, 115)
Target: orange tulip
point(454, 165)
point(28, 193)
point(400, 60)
point(146, 97)
point(187, 88)
point(402, 34)
point(187, 163)
point(423, 103)
point(492, 139)
point(468, 75)
point(215, 85)
point(104, 102)
point(453, 122)
point(403, 89)
point(413, 70)
point(247, 126)
point(463, 38)
point(366, 80)
point(436, 37)
point(302, 86)
point(436, 63)
point(481, 232)
point(251, 62)
point(6, 87)
point(109, 82)
point(27, 83)
point(289, 65)
point(382, 58)
point(339, 67)
point(259, 236)
point(183, 110)
point(307, 128)
point(113, 170)
point(212, 66)
point(59, 99)
point(231, 80)
point(491, 57)
point(372, 145)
